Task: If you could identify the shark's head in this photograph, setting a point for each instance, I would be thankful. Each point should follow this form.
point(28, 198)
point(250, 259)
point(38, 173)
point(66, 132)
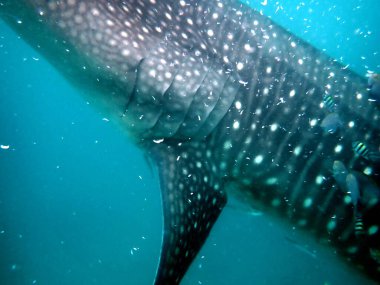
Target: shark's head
point(155, 59)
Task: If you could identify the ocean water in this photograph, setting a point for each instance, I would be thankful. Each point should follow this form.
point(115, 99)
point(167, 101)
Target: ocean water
point(79, 204)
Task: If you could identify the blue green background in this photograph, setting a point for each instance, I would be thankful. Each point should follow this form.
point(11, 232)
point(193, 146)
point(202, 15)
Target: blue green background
point(80, 205)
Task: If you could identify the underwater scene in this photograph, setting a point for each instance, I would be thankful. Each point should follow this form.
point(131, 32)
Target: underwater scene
point(80, 201)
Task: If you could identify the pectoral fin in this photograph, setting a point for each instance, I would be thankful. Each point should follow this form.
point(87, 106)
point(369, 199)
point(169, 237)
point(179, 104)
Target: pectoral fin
point(192, 201)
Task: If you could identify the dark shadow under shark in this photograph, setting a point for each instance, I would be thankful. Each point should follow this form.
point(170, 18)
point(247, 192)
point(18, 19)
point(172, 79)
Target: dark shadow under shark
point(225, 102)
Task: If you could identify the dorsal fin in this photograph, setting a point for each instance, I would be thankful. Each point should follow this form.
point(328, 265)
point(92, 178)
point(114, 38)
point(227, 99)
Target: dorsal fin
point(192, 201)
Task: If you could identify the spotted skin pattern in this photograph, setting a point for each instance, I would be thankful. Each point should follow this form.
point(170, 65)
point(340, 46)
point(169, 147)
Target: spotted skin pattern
point(221, 98)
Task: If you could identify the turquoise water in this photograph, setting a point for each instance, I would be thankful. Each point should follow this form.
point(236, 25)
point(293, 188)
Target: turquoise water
point(80, 205)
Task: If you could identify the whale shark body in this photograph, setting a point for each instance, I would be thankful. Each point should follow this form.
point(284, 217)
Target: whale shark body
point(225, 102)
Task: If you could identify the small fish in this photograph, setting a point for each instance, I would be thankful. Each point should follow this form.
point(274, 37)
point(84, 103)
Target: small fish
point(359, 226)
point(348, 183)
point(362, 150)
point(374, 85)
point(353, 189)
point(329, 103)
point(339, 173)
point(369, 190)
point(331, 123)
point(375, 254)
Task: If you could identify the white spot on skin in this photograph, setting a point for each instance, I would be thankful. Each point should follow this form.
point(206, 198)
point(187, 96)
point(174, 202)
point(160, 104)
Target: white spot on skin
point(248, 48)
point(368, 170)
point(125, 52)
point(258, 159)
point(307, 202)
point(292, 93)
point(313, 122)
point(351, 124)
point(95, 12)
point(297, 151)
point(179, 77)
point(210, 33)
point(110, 23)
point(167, 15)
point(112, 42)
point(331, 225)
point(271, 181)
point(273, 127)
point(338, 148)
point(373, 230)
point(319, 179)
point(236, 125)
point(238, 105)
point(347, 200)
point(239, 66)
point(227, 145)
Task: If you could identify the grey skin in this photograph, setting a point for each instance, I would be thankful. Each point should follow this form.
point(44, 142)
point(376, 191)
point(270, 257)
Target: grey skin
point(223, 100)
point(374, 86)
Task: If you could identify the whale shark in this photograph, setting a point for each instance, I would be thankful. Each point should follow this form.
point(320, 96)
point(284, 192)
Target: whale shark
point(226, 103)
